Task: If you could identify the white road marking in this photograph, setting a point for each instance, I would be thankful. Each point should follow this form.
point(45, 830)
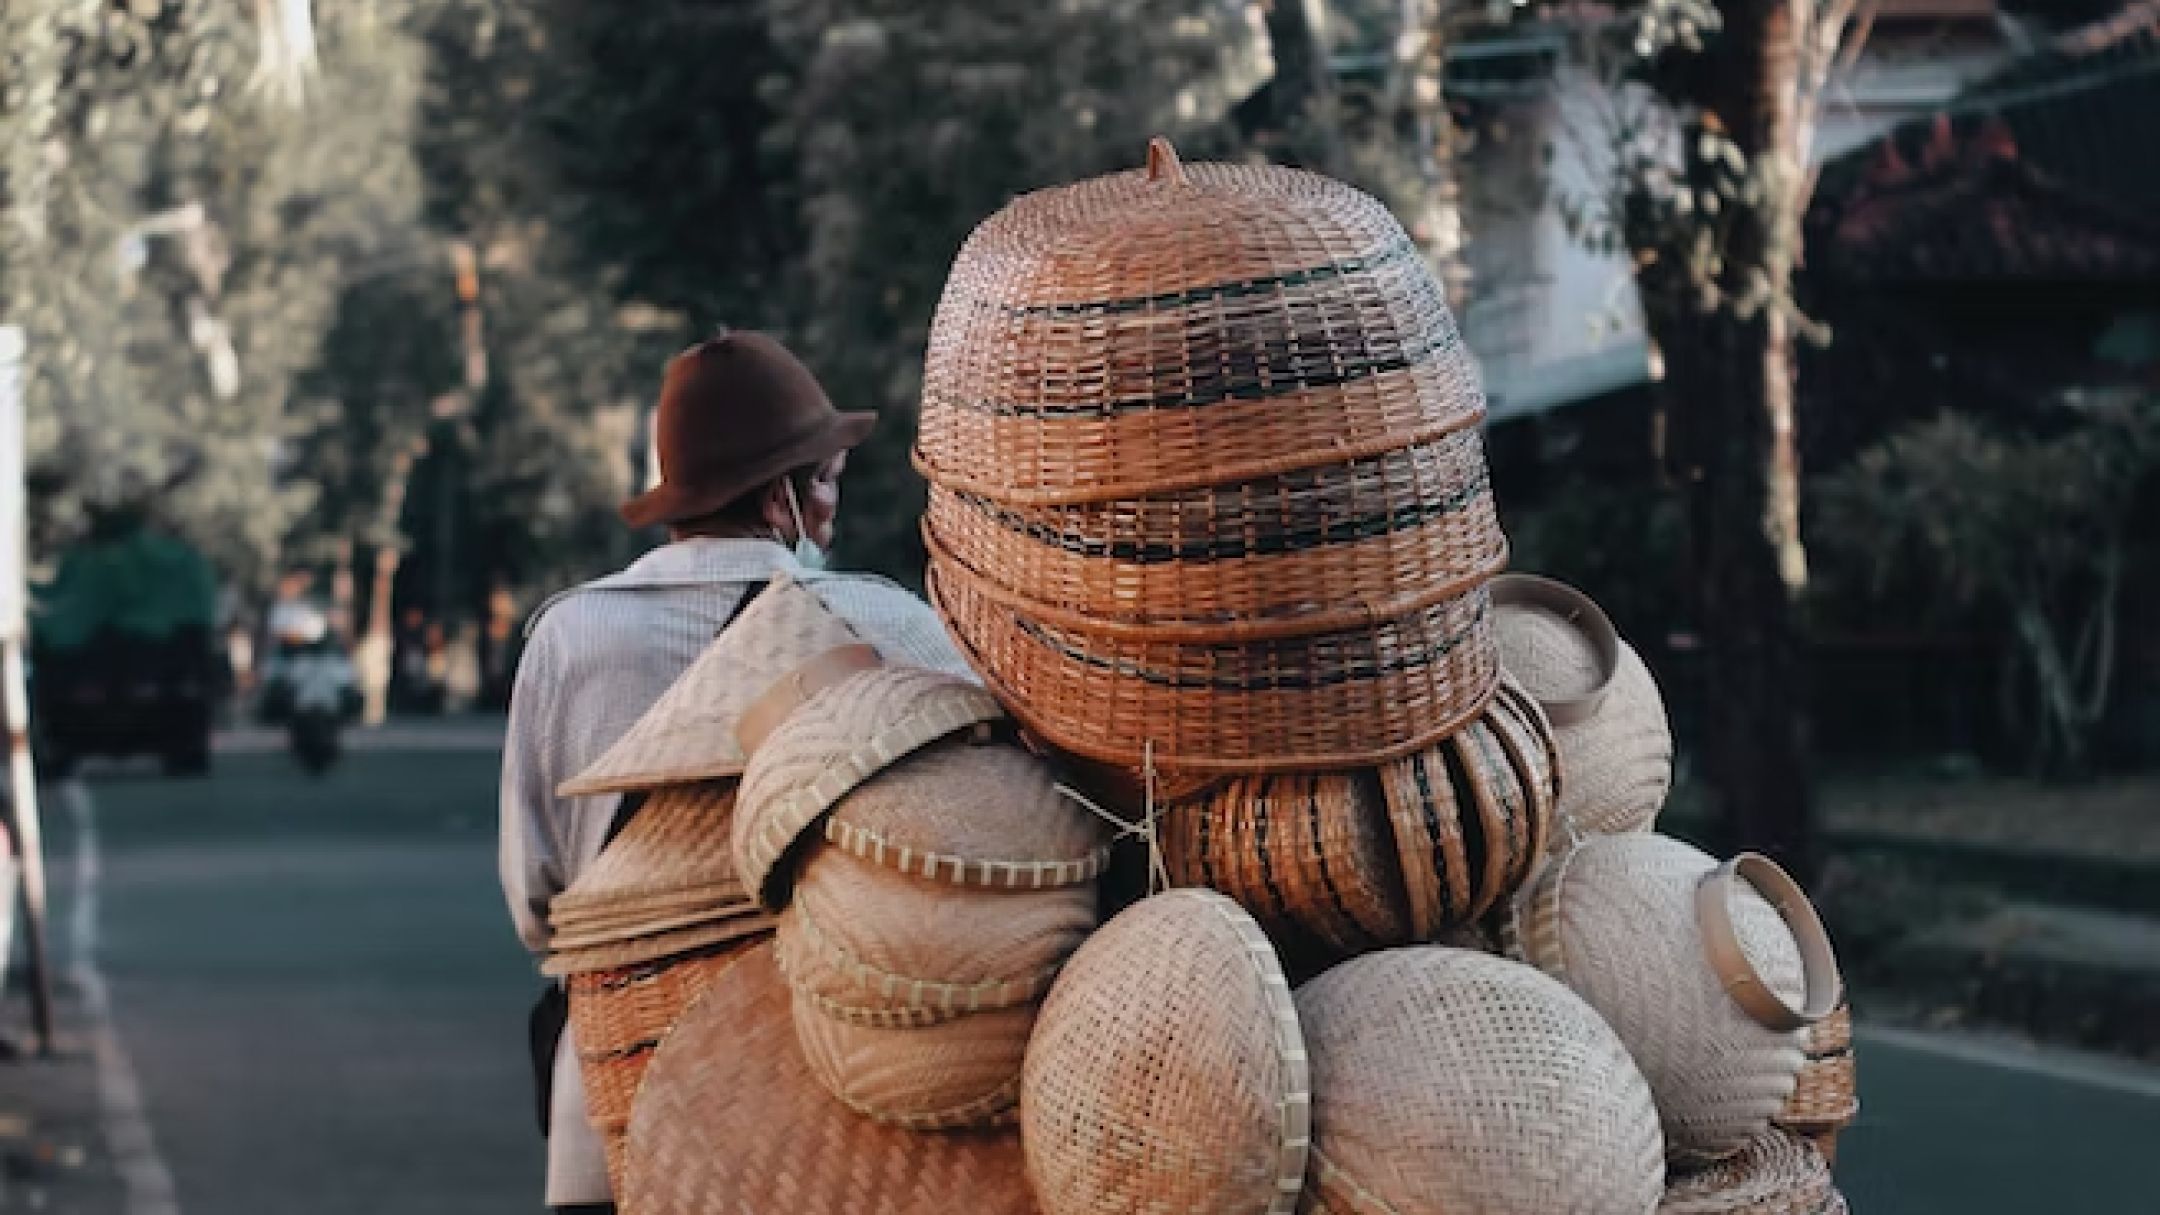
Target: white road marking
point(2011, 1054)
point(128, 1136)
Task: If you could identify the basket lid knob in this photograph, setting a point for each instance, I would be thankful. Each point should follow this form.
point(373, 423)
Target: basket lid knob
point(1163, 163)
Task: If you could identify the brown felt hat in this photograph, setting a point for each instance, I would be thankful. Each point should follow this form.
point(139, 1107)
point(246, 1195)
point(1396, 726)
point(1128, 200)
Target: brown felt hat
point(736, 411)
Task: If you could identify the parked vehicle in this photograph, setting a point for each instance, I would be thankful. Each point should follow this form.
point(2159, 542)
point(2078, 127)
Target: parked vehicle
point(121, 650)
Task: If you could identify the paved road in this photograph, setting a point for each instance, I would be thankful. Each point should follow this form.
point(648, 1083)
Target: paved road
point(324, 1006)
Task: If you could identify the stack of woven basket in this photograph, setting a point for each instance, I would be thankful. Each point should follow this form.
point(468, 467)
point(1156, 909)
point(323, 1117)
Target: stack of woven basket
point(1210, 516)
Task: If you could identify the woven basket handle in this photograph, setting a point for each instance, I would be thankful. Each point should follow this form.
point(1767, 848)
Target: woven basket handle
point(1582, 613)
point(1736, 973)
point(1163, 163)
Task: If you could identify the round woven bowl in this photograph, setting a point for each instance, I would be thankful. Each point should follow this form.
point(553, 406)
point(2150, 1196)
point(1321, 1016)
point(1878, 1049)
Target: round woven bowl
point(1310, 855)
point(618, 1018)
point(1471, 816)
point(969, 814)
point(889, 940)
point(1445, 1080)
point(1774, 1174)
point(1622, 920)
point(730, 1119)
point(1167, 1071)
point(1277, 548)
point(1184, 326)
point(956, 1073)
point(1258, 696)
point(821, 752)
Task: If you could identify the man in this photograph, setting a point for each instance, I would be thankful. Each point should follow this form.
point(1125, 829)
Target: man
point(751, 454)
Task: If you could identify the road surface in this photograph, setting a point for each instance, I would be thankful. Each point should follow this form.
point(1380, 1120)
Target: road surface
point(319, 999)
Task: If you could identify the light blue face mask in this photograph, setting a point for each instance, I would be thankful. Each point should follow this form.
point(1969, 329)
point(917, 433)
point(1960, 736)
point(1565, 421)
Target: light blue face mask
point(807, 553)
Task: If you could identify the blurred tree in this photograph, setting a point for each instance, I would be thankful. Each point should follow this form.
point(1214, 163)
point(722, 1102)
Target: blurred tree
point(2034, 527)
point(1715, 107)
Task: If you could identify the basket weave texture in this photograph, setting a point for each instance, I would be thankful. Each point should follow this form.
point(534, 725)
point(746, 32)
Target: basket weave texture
point(729, 1119)
point(1471, 816)
point(618, 1018)
point(1167, 1071)
point(1207, 489)
point(1616, 763)
point(1310, 855)
point(828, 747)
point(1615, 919)
point(1445, 1080)
point(1774, 1174)
point(972, 815)
point(1826, 1096)
point(887, 939)
point(957, 1073)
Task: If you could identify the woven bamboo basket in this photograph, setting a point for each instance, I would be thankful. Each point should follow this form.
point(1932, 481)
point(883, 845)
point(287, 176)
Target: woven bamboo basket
point(1310, 856)
point(1180, 327)
point(1774, 1174)
point(1445, 1080)
point(834, 742)
point(962, 813)
point(1375, 683)
point(891, 940)
point(1707, 980)
point(1616, 748)
point(1282, 547)
point(1167, 1071)
point(730, 1119)
point(618, 1018)
point(1826, 1095)
point(1471, 816)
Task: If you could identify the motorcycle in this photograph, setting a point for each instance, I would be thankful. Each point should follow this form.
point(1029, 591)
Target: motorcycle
point(312, 682)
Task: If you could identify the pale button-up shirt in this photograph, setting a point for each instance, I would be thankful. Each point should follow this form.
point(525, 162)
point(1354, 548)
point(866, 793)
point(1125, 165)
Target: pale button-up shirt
point(598, 657)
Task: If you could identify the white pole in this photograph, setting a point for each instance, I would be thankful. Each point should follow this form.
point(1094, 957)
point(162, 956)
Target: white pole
point(14, 687)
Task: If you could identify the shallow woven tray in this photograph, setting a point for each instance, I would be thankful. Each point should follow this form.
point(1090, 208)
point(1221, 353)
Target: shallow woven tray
point(960, 1072)
point(729, 1119)
point(1184, 326)
point(1238, 699)
point(1471, 815)
point(1775, 1174)
point(1310, 855)
point(657, 947)
point(1304, 543)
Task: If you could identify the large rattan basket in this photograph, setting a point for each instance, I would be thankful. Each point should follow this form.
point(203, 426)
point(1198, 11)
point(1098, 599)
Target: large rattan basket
point(1207, 490)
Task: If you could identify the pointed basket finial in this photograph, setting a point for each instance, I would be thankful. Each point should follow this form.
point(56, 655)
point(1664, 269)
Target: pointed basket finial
point(1163, 163)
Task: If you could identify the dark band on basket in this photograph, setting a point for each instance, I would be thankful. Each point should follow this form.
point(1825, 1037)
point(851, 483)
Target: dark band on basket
point(1415, 661)
point(1260, 543)
point(1393, 252)
point(1335, 898)
point(1269, 373)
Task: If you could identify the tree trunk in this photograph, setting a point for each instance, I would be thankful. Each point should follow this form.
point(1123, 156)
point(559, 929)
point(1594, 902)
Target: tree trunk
point(1729, 395)
point(1302, 95)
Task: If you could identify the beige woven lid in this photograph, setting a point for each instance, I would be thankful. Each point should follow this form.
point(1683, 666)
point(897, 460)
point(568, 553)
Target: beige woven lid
point(841, 737)
point(1445, 1080)
point(689, 733)
point(911, 942)
point(955, 1073)
point(1775, 1174)
point(655, 947)
point(729, 1119)
point(1167, 1071)
point(975, 815)
point(1617, 920)
point(1615, 745)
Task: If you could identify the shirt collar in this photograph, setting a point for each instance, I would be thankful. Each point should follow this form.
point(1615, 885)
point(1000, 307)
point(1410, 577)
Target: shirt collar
point(713, 559)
